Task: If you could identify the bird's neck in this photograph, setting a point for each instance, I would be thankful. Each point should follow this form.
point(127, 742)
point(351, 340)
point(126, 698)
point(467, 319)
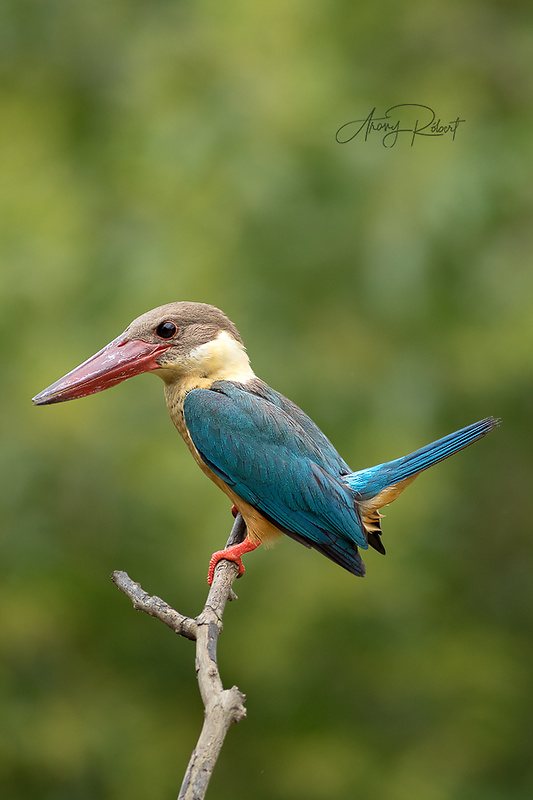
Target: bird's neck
point(223, 359)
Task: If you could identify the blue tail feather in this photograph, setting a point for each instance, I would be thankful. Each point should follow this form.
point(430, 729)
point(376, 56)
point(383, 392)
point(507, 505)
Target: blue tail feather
point(369, 482)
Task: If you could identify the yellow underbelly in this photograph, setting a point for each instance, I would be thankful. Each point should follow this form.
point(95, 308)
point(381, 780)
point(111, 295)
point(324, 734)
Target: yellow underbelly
point(258, 527)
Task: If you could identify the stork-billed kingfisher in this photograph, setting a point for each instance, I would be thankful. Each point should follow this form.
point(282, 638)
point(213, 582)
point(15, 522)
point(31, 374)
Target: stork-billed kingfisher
point(277, 467)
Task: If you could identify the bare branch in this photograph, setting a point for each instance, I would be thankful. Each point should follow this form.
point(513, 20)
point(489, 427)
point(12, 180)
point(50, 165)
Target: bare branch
point(222, 706)
point(185, 626)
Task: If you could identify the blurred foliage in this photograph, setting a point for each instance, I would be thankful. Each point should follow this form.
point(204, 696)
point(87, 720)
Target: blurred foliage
point(159, 151)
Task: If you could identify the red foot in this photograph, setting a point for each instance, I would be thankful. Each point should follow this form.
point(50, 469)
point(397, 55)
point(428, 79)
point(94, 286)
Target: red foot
point(232, 553)
point(234, 511)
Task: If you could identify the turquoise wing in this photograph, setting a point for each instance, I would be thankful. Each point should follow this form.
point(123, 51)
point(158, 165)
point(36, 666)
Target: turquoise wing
point(274, 463)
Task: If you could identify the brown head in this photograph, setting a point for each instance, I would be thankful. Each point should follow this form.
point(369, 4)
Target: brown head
point(173, 340)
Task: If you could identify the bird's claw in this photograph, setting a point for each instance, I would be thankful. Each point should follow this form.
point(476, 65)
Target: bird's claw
point(221, 555)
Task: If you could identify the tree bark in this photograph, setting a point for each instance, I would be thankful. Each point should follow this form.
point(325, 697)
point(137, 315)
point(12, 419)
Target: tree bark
point(222, 706)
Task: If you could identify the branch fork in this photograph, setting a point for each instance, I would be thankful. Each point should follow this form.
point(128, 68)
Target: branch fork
point(222, 707)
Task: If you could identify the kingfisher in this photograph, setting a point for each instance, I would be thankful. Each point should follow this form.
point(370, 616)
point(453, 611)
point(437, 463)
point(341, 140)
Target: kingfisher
point(279, 470)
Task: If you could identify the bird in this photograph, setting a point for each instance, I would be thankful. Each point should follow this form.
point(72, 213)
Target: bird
point(280, 471)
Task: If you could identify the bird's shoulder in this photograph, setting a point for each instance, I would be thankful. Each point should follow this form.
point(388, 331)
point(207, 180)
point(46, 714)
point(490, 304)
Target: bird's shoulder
point(274, 414)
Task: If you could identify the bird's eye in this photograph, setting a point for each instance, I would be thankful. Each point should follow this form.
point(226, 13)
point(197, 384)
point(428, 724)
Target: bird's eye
point(166, 330)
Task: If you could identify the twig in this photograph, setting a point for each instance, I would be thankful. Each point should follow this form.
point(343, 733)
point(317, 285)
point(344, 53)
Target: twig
point(222, 706)
point(154, 606)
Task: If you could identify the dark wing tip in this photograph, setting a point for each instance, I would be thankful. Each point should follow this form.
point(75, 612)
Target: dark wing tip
point(374, 540)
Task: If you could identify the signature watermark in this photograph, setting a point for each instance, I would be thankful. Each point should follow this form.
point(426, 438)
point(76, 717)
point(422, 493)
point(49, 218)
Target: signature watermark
point(406, 118)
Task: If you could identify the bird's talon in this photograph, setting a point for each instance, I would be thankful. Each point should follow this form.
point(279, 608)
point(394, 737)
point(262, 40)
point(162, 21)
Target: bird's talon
point(222, 555)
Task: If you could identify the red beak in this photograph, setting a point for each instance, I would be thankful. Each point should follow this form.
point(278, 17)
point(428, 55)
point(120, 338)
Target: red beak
point(120, 359)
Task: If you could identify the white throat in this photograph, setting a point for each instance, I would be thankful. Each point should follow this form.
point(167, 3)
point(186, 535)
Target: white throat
point(223, 358)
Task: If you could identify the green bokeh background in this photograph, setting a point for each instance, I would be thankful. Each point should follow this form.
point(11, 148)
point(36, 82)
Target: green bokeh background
point(152, 152)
